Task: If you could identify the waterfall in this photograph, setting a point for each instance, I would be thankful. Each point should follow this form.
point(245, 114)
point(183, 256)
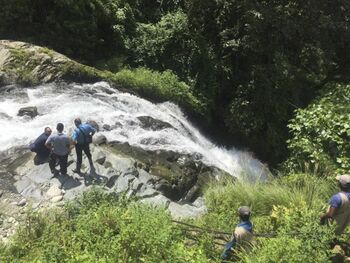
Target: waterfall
point(123, 114)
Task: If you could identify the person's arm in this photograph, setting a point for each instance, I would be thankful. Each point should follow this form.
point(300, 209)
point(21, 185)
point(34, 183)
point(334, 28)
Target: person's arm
point(334, 204)
point(48, 143)
point(74, 139)
point(329, 214)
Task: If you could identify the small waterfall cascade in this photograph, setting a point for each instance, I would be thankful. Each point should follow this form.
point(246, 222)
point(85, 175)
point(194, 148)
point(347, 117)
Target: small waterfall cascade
point(126, 118)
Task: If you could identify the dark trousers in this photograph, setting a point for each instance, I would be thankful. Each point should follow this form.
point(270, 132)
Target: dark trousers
point(63, 162)
point(79, 148)
point(41, 159)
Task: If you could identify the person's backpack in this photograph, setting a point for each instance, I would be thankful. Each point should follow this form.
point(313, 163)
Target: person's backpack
point(87, 137)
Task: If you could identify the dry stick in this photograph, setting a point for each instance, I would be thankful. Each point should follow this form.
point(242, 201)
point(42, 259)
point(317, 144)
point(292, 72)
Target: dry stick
point(203, 229)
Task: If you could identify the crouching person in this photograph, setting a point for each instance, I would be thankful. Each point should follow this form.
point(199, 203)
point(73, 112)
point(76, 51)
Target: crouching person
point(243, 234)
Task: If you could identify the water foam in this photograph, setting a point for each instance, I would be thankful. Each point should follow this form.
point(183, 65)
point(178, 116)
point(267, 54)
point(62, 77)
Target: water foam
point(119, 110)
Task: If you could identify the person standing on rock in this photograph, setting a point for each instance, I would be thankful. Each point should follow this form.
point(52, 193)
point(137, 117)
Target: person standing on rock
point(82, 137)
point(38, 146)
point(59, 145)
point(243, 234)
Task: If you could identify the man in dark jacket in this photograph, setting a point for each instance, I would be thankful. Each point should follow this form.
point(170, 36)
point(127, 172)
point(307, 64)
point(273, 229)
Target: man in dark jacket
point(38, 146)
point(82, 137)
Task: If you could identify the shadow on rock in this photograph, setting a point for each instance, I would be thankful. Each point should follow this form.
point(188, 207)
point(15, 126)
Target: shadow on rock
point(68, 182)
point(94, 178)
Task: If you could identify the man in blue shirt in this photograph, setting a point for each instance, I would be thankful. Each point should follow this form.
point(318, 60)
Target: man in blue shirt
point(82, 137)
point(339, 205)
point(243, 233)
point(38, 146)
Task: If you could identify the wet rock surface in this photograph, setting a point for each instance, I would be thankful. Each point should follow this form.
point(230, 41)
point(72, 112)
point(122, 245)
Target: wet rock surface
point(161, 178)
point(30, 111)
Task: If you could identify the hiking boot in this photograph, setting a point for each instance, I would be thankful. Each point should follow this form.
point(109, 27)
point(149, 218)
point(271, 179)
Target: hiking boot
point(76, 171)
point(55, 173)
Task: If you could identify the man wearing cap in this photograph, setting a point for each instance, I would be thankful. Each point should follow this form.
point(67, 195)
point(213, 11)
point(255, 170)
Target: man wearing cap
point(339, 205)
point(243, 233)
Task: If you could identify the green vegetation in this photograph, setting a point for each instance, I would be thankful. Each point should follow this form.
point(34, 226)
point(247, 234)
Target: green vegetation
point(99, 227)
point(249, 63)
point(273, 74)
point(321, 133)
point(160, 87)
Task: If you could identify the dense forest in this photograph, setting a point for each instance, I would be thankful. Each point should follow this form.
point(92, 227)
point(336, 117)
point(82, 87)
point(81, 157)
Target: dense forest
point(270, 75)
point(252, 63)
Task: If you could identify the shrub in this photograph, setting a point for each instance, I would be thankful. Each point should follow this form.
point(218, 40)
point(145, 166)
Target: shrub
point(100, 228)
point(320, 134)
point(158, 86)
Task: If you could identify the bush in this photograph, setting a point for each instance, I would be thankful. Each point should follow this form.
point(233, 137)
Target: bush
point(288, 206)
point(300, 237)
point(163, 86)
point(321, 133)
point(100, 228)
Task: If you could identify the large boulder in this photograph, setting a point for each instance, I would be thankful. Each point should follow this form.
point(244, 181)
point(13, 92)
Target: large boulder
point(27, 64)
point(30, 111)
point(149, 123)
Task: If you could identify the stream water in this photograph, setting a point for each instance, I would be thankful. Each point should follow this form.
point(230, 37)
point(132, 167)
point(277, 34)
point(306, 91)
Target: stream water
point(121, 112)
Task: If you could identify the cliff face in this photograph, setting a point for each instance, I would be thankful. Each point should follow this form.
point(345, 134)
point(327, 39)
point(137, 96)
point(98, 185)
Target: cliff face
point(27, 64)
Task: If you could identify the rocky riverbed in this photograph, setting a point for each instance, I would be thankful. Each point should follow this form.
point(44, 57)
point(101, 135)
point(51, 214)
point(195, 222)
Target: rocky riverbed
point(168, 179)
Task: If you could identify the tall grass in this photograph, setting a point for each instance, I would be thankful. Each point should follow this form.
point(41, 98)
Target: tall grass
point(223, 198)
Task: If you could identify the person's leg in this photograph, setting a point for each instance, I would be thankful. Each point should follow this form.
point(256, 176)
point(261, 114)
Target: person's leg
point(36, 160)
point(41, 159)
point(63, 164)
point(227, 249)
point(79, 152)
point(52, 163)
point(88, 154)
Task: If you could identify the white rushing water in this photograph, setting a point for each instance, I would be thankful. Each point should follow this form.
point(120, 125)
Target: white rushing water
point(120, 110)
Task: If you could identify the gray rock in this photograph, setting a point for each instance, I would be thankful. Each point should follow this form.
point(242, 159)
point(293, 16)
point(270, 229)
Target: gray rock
point(122, 165)
point(185, 211)
point(123, 183)
point(199, 202)
point(22, 184)
point(22, 202)
point(53, 191)
point(136, 184)
point(111, 181)
point(150, 123)
point(30, 111)
point(39, 174)
point(106, 127)
point(99, 139)
point(100, 157)
point(158, 200)
point(57, 199)
point(145, 177)
point(145, 192)
point(33, 192)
